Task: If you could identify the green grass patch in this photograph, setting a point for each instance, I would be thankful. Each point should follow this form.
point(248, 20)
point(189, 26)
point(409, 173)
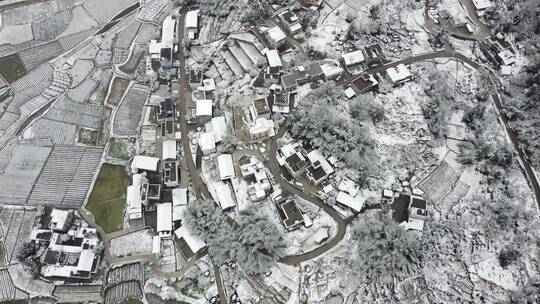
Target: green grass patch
point(193, 290)
point(12, 68)
point(107, 200)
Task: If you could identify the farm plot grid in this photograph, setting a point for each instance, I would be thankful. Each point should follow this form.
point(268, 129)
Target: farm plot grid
point(33, 57)
point(69, 111)
point(60, 133)
point(129, 114)
point(440, 182)
point(121, 292)
point(17, 225)
point(70, 41)
point(78, 293)
point(7, 289)
point(22, 170)
point(127, 272)
point(83, 91)
point(66, 177)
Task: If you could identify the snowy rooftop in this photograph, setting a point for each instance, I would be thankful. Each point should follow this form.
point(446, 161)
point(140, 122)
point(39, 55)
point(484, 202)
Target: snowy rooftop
point(179, 196)
point(316, 156)
point(169, 149)
point(355, 203)
point(206, 141)
point(226, 167)
point(209, 84)
point(353, 57)
point(204, 107)
point(134, 197)
point(262, 125)
point(331, 70)
point(224, 195)
point(192, 19)
point(164, 217)
point(59, 219)
point(167, 32)
point(350, 93)
point(195, 244)
point(276, 34)
point(219, 128)
point(147, 163)
point(273, 58)
point(399, 73)
point(482, 4)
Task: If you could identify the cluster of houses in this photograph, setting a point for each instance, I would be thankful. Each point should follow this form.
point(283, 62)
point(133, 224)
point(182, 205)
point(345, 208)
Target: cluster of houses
point(161, 60)
point(155, 197)
point(69, 247)
point(499, 51)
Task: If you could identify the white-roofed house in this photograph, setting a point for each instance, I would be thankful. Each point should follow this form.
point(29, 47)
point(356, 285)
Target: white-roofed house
point(154, 49)
point(144, 163)
point(219, 128)
point(331, 70)
point(398, 74)
point(225, 166)
point(137, 195)
point(353, 202)
point(261, 129)
point(188, 243)
point(192, 24)
point(320, 169)
point(207, 143)
point(291, 22)
point(276, 36)
point(60, 219)
point(223, 194)
point(180, 201)
point(273, 59)
point(482, 4)
point(203, 110)
point(353, 61)
point(167, 32)
point(164, 220)
point(209, 84)
point(169, 149)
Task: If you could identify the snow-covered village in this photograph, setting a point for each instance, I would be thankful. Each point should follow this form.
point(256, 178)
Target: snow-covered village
point(269, 151)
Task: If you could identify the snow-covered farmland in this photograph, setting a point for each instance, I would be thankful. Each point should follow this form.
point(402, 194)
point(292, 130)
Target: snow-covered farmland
point(66, 177)
point(22, 170)
point(132, 244)
point(127, 118)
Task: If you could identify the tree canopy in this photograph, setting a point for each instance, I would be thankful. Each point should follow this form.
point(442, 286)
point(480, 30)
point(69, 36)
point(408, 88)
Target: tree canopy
point(252, 241)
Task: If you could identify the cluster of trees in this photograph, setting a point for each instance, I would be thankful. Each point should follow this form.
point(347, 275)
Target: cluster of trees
point(384, 250)
point(522, 93)
point(27, 257)
point(381, 18)
point(323, 123)
point(441, 96)
point(251, 240)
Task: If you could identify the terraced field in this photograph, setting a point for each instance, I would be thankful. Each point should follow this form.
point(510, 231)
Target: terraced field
point(440, 182)
point(66, 177)
point(22, 169)
point(127, 118)
point(127, 272)
point(69, 111)
point(17, 225)
point(7, 290)
point(121, 292)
